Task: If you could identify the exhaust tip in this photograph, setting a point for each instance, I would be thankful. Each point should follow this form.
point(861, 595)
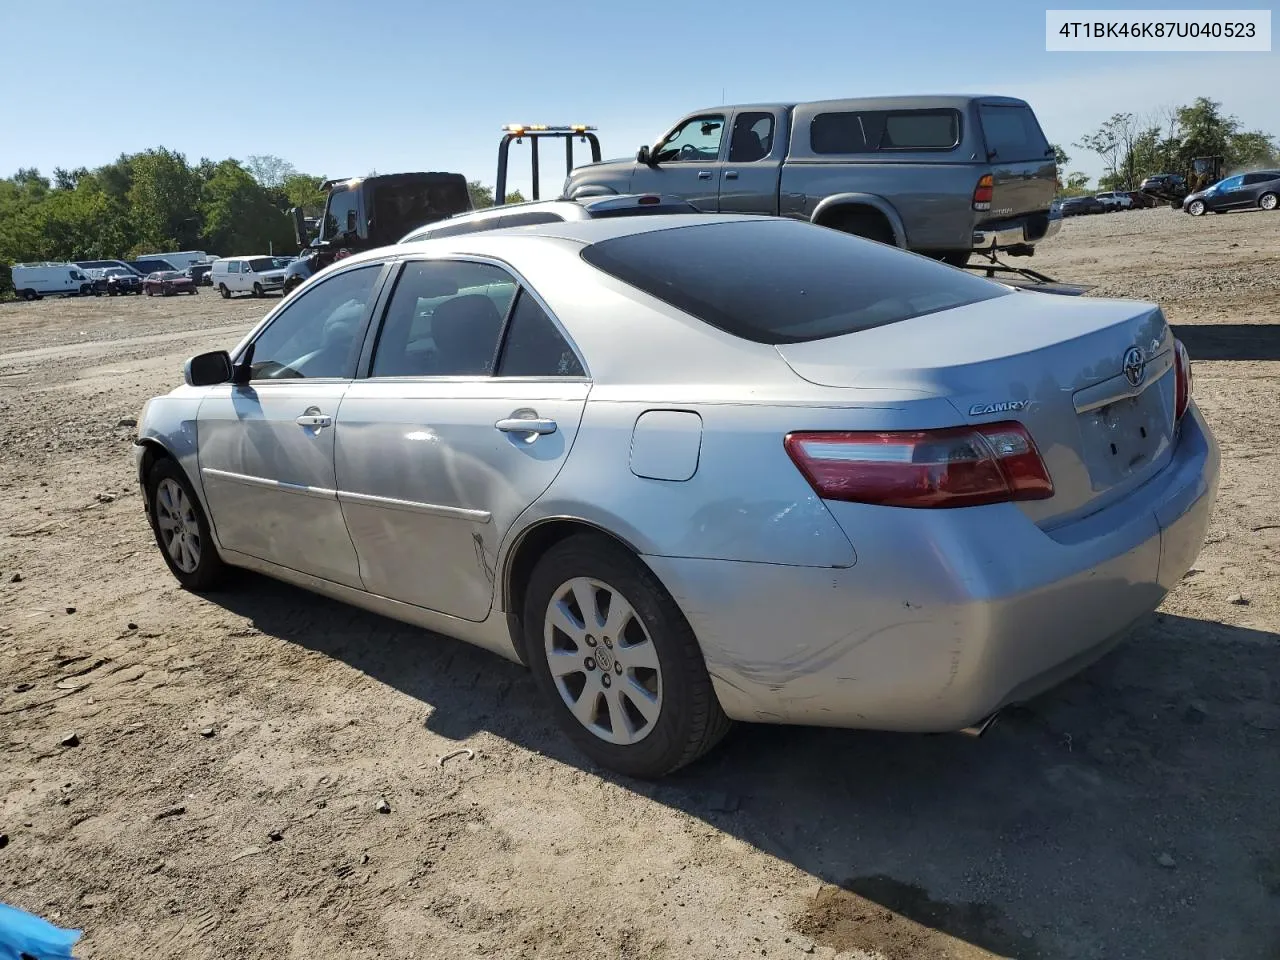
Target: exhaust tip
point(982, 726)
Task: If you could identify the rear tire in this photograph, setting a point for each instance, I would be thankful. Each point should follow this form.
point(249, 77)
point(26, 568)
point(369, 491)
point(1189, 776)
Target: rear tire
point(867, 224)
point(222, 289)
point(1268, 201)
point(181, 528)
point(650, 659)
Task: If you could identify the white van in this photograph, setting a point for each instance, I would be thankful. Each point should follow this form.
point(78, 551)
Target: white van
point(255, 275)
point(181, 259)
point(31, 281)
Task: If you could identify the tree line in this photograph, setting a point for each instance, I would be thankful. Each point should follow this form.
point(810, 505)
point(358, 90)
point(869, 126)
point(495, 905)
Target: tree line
point(1135, 146)
point(156, 200)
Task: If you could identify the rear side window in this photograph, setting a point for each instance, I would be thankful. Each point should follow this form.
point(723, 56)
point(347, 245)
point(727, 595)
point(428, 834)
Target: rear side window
point(534, 346)
point(1012, 133)
point(781, 281)
point(877, 131)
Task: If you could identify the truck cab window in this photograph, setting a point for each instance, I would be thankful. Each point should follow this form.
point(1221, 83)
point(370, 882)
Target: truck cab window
point(752, 137)
point(697, 140)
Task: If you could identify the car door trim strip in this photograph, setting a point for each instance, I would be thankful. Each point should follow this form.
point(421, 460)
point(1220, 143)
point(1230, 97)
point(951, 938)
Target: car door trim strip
point(318, 492)
point(414, 506)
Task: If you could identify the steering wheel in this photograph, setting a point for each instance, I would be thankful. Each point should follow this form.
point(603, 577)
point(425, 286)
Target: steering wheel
point(688, 152)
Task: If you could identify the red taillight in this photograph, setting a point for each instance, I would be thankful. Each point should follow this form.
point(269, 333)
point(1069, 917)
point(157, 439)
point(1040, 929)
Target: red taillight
point(982, 192)
point(649, 199)
point(956, 467)
point(1182, 380)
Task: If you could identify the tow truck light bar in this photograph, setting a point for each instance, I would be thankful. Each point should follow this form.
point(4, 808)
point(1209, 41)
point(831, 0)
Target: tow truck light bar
point(584, 133)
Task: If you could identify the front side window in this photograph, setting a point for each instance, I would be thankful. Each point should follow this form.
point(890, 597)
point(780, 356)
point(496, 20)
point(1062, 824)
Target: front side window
point(340, 219)
point(696, 141)
point(783, 281)
point(534, 346)
point(315, 336)
point(444, 320)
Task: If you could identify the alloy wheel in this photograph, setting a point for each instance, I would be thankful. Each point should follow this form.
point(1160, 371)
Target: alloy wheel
point(603, 661)
point(179, 529)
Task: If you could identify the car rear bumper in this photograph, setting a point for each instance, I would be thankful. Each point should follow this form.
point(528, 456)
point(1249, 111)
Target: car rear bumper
point(948, 615)
point(1019, 232)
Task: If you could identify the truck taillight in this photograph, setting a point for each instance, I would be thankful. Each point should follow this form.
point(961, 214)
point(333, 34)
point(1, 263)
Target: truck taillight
point(954, 467)
point(1182, 380)
point(982, 192)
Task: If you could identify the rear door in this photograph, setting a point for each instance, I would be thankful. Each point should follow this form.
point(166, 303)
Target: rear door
point(439, 450)
point(1024, 174)
point(687, 162)
point(749, 176)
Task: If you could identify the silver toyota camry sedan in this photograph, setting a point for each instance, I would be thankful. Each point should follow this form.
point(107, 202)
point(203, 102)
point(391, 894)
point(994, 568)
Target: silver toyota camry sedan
point(696, 469)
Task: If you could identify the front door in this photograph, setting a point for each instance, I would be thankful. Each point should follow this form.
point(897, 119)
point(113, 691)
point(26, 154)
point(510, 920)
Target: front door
point(749, 178)
point(266, 446)
point(440, 449)
point(686, 162)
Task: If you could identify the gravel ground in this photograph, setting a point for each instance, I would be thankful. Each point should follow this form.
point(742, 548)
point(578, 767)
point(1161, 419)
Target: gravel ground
point(269, 774)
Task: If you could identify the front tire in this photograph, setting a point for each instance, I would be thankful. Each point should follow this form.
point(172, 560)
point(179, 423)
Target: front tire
point(1268, 201)
point(257, 290)
point(222, 289)
point(618, 661)
point(181, 528)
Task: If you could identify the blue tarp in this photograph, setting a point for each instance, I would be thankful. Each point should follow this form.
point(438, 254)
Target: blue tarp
point(22, 934)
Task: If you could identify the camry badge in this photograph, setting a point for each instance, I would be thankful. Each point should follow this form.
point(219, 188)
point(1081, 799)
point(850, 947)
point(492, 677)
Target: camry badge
point(1004, 406)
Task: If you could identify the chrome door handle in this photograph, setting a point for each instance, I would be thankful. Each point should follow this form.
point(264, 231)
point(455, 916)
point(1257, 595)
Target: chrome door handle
point(731, 174)
point(314, 420)
point(539, 425)
point(704, 174)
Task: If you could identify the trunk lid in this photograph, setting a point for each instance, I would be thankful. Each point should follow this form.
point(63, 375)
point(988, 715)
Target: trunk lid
point(1056, 364)
point(1023, 170)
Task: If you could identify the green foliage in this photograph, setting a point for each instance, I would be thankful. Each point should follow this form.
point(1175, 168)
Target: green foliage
point(482, 195)
point(239, 214)
point(1077, 185)
point(302, 190)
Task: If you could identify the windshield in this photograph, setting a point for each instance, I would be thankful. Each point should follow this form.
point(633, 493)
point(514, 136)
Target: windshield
point(782, 281)
point(260, 264)
point(171, 275)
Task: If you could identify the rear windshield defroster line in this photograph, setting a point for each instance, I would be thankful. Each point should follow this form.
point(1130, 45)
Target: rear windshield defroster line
point(785, 281)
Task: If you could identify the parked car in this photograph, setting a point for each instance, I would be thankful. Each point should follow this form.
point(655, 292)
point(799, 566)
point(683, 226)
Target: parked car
point(1114, 200)
point(256, 275)
point(35, 281)
point(1078, 206)
point(699, 468)
point(941, 175)
point(167, 283)
point(148, 267)
point(98, 279)
point(106, 265)
point(550, 211)
point(198, 272)
point(121, 280)
point(1244, 191)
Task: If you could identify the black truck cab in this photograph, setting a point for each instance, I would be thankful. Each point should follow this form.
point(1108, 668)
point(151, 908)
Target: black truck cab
point(366, 212)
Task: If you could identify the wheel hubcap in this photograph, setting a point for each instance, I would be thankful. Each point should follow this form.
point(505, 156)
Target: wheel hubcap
point(179, 530)
point(1268, 202)
point(603, 661)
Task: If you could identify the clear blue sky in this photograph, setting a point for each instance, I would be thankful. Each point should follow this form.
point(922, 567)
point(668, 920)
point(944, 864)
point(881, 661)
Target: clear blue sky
point(343, 88)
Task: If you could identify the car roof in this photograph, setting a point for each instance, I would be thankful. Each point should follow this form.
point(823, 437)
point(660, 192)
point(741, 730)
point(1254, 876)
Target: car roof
point(578, 208)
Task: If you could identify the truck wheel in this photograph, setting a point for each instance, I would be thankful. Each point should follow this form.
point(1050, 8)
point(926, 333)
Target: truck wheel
point(30, 295)
point(257, 290)
point(871, 226)
point(222, 289)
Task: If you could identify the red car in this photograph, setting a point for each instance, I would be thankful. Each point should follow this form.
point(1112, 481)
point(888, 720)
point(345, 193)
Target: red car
point(167, 283)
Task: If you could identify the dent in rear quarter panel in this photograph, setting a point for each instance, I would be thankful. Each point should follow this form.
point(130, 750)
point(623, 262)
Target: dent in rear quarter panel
point(745, 501)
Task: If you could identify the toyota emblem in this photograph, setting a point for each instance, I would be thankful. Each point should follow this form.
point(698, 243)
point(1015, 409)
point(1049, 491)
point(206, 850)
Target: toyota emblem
point(1135, 366)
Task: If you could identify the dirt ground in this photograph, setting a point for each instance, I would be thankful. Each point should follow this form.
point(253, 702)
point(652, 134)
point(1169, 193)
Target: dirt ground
point(231, 753)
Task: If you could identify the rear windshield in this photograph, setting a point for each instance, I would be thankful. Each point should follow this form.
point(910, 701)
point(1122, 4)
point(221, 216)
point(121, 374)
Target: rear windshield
point(783, 281)
point(876, 131)
point(1012, 133)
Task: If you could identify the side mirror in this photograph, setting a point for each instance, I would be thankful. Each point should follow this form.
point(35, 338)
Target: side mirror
point(642, 156)
point(299, 227)
point(207, 369)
